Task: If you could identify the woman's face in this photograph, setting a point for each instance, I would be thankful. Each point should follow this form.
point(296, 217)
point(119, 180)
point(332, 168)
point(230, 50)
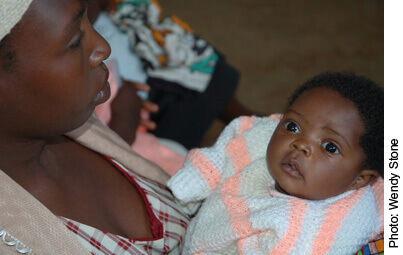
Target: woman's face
point(59, 77)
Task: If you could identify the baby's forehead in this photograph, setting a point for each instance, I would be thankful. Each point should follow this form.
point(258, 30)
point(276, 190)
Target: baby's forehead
point(324, 90)
point(327, 111)
point(323, 96)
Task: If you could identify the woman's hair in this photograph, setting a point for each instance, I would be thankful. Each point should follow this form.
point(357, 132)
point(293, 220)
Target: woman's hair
point(8, 58)
point(7, 55)
point(368, 98)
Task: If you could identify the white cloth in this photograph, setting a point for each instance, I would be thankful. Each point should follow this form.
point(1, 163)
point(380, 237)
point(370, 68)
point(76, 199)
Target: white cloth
point(11, 12)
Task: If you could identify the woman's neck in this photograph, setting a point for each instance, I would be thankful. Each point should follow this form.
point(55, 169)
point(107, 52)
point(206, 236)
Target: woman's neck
point(20, 158)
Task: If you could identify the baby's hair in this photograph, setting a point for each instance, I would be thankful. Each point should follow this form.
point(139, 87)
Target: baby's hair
point(368, 98)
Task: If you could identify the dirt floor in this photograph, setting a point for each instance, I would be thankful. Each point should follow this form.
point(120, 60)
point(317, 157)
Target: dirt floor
point(277, 45)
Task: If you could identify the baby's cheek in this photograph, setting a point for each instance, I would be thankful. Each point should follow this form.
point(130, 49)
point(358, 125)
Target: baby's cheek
point(270, 154)
point(275, 145)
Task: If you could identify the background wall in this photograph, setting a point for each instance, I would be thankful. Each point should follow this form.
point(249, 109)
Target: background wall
point(277, 45)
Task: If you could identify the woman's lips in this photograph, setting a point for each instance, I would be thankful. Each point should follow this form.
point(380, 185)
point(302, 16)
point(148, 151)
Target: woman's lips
point(291, 167)
point(103, 95)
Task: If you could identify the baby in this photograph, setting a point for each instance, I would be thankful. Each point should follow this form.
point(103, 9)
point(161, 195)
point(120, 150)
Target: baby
point(316, 188)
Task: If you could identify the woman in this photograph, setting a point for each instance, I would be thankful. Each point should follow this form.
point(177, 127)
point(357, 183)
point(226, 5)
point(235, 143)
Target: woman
point(52, 76)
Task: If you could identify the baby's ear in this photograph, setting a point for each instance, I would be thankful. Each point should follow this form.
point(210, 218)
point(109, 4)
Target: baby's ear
point(364, 178)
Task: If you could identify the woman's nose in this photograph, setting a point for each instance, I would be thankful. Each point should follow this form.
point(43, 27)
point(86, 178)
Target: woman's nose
point(101, 50)
point(302, 146)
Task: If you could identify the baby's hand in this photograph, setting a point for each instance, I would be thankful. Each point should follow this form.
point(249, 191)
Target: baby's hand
point(147, 105)
point(126, 108)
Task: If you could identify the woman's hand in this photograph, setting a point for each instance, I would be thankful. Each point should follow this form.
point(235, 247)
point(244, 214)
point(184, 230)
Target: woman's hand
point(126, 111)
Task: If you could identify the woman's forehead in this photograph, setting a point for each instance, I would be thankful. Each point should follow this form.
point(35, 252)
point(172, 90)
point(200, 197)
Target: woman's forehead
point(43, 30)
point(50, 13)
point(46, 20)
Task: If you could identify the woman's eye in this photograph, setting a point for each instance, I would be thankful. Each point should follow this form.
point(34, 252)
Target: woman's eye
point(331, 147)
point(77, 43)
point(291, 126)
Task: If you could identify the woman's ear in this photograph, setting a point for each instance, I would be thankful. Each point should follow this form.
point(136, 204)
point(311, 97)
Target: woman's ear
point(364, 178)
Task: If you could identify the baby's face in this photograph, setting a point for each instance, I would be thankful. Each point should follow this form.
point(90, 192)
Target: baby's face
point(315, 151)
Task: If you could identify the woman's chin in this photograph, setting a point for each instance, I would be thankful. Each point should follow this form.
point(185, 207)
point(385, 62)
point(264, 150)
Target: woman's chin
point(78, 122)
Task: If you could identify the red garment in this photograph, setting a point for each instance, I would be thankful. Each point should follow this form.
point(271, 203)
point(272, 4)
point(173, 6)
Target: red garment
point(168, 224)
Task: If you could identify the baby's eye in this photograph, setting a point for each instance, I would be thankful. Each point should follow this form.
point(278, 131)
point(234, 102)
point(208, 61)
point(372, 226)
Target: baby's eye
point(291, 126)
point(330, 147)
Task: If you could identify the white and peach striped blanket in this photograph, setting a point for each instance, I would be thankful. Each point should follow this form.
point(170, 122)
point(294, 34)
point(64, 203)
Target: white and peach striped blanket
point(240, 212)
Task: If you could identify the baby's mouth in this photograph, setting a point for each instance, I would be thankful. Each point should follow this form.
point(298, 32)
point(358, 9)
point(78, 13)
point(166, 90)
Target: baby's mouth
point(291, 167)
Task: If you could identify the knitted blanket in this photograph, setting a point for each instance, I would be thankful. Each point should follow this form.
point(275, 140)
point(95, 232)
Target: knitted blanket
point(239, 210)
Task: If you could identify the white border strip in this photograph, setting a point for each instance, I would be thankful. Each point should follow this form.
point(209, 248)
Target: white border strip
point(393, 121)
